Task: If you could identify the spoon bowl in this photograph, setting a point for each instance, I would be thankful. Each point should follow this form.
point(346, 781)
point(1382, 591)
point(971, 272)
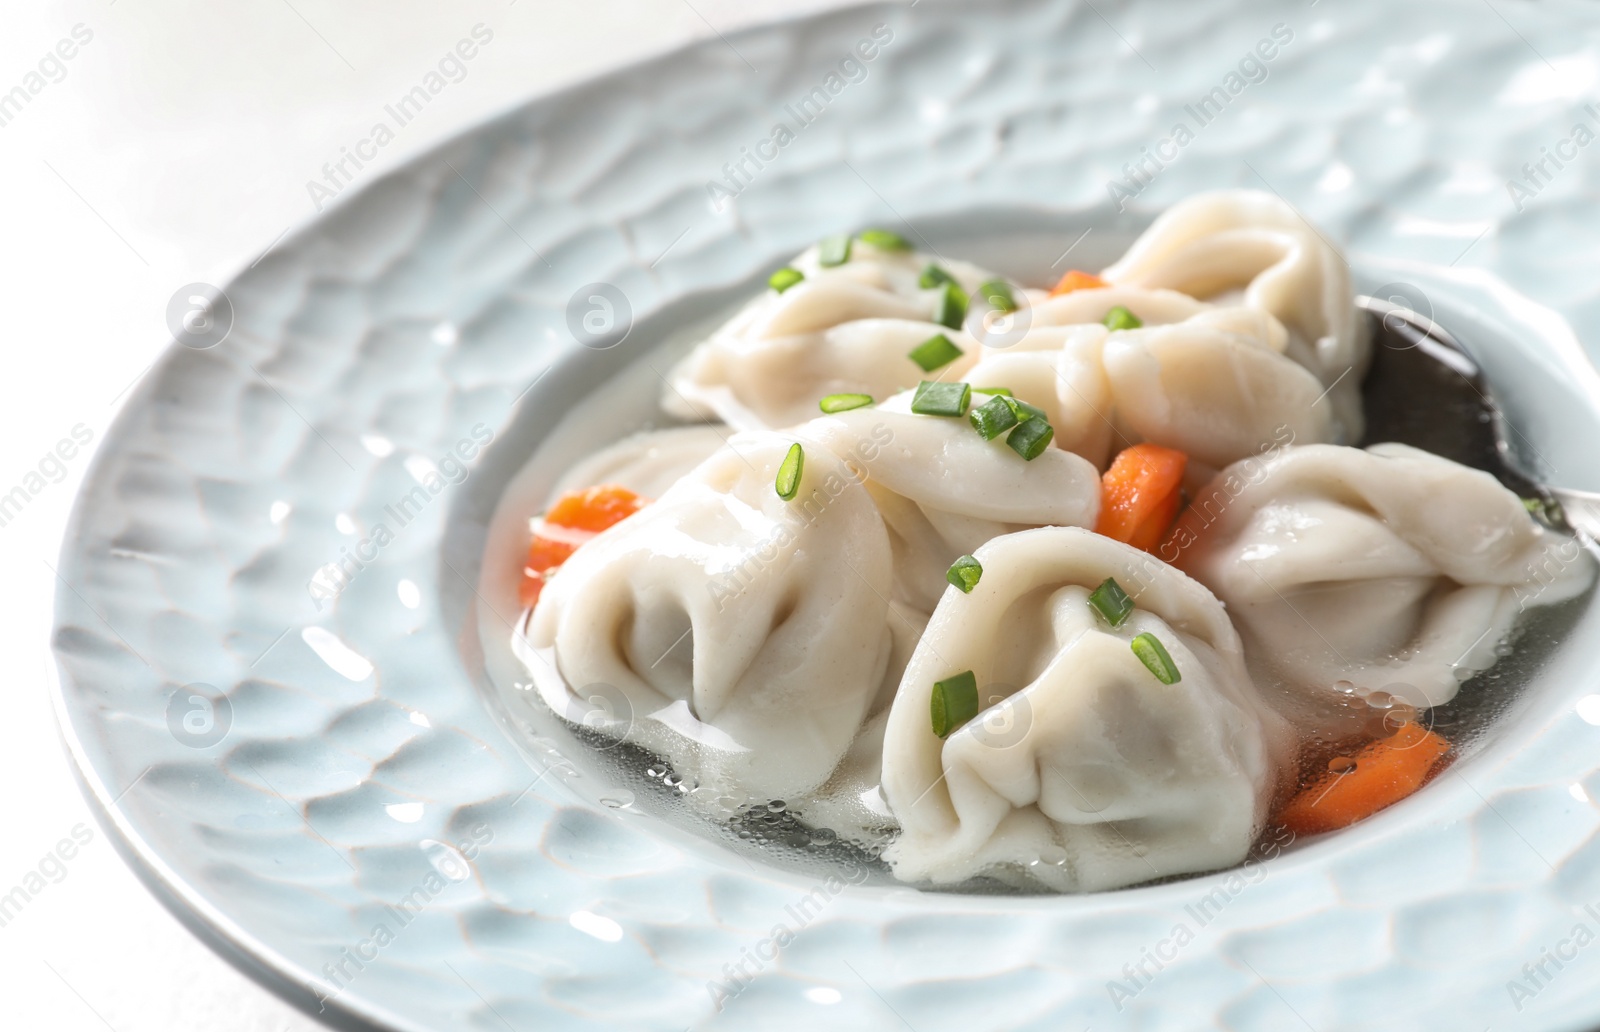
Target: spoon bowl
point(1414, 355)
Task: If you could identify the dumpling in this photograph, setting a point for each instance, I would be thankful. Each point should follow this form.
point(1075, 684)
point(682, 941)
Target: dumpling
point(1085, 771)
point(777, 383)
point(751, 636)
point(1155, 307)
point(748, 635)
point(646, 463)
point(847, 328)
point(943, 490)
point(1056, 362)
point(1256, 248)
point(851, 803)
point(1391, 569)
point(1215, 385)
point(1058, 369)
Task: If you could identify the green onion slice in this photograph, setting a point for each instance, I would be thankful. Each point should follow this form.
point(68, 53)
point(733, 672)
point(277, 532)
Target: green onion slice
point(951, 310)
point(884, 240)
point(1030, 438)
point(785, 278)
point(1119, 318)
point(844, 402)
point(834, 250)
point(954, 702)
point(993, 418)
point(998, 293)
point(933, 276)
point(941, 399)
point(1154, 656)
point(934, 352)
point(794, 464)
point(964, 573)
point(1111, 602)
point(1023, 410)
point(1547, 511)
point(996, 390)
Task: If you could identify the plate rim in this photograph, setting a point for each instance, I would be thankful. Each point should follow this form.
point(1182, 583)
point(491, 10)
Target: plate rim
point(237, 945)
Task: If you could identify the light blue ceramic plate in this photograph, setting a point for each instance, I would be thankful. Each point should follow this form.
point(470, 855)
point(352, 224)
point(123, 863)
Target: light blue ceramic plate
point(333, 796)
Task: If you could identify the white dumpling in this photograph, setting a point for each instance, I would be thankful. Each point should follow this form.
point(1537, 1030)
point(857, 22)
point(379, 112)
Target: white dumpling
point(748, 634)
point(1056, 362)
point(844, 329)
point(1058, 369)
point(1255, 246)
point(1084, 772)
point(1391, 569)
point(646, 463)
point(943, 490)
point(1215, 385)
point(1153, 307)
point(851, 803)
point(777, 383)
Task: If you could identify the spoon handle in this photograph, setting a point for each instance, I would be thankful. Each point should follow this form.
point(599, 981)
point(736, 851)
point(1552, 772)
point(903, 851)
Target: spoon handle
point(1581, 509)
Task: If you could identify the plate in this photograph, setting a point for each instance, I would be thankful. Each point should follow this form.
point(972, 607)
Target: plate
point(312, 769)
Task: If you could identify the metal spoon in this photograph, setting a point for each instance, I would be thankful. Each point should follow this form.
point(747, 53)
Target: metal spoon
point(1413, 355)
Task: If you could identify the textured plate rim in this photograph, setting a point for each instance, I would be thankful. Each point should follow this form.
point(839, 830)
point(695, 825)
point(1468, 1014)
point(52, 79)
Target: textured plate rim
point(243, 949)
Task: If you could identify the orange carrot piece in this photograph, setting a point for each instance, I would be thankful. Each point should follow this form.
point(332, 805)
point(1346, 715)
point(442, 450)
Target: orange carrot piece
point(1077, 279)
point(1385, 772)
point(1139, 494)
point(1149, 534)
point(594, 508)
point(546, 554)
point(587, 512)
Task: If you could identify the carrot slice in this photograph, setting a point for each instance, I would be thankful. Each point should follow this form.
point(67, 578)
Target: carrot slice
point(1140, 494)
point(580, 515)
point(1076, 279)
point(1384, 773)
point(546, 554)
point(594, 508)
point(1153, 530)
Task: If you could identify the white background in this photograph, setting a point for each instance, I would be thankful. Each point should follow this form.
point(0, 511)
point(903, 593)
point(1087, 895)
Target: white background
point(176, 149)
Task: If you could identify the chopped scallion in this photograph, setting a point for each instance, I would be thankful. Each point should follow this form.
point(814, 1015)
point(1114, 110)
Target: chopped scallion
point(884, 240)
point(1119, 318)
point(954, 702)
point(997, 390)
point(1547, 511)
point(834, 250)
point(993, 418)
point(1154, 656)
point(785, 278)
point(1024, 410)
point(933, 276)
point(964, 573)
point(844, 402)
point(934, 352)
point(933, 398)
point(1030, 438)
point(1111, 602)
point(998, 293)
point(789, 471)
point(951, 309)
